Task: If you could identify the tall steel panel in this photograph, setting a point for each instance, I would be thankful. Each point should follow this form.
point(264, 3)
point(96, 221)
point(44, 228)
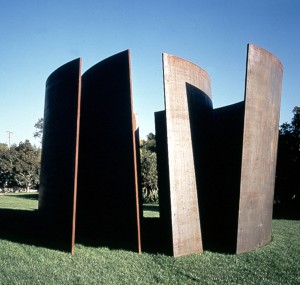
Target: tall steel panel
point(260, 138)
point(223, 192)
point(108, 206)
point(58, 178)
point(186, 233)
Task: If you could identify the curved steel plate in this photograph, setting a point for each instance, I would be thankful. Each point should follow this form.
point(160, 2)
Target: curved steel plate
point(107, 181)
point(261, 121)
point(57, 191)
point(181, 79)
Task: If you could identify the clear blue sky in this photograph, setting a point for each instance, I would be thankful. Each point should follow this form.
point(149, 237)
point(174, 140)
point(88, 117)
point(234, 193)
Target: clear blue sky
point(36, 37)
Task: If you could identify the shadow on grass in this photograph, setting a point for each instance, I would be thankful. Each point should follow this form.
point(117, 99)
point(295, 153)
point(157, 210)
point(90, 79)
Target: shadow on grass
point(25, 227)
point(156, 236)
point(151, 207)
point(25, 196)
point(29, 227)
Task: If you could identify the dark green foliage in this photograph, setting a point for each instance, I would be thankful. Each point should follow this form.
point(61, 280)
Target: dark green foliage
point(150, 143)
point(6, 168)
point(149, 169)
point(19, 167)
point(3, 147)
point(39, 129)
point(287, 190)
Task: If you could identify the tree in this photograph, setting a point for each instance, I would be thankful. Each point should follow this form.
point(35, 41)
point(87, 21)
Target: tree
point(150, 143)
point(6, 168)
point(39, 129)
point(149, 169)
point(3, 147)
point(287, 189)
point(27, 165)
point(20, 167)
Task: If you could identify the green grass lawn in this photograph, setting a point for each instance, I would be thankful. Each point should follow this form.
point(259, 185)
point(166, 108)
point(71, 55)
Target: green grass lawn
point(22, 263)
point(150, 211)
point(19, 201)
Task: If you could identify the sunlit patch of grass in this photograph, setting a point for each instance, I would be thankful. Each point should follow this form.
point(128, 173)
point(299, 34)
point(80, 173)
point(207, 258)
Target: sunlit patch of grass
point(151, 210)
point(19, 201)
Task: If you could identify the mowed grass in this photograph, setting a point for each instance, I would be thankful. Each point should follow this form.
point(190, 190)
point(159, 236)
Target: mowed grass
point(151, 211)
point(276, 263)
point(19, 201)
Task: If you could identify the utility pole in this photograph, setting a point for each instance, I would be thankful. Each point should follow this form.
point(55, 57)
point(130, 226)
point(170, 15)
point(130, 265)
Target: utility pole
point(9, 134)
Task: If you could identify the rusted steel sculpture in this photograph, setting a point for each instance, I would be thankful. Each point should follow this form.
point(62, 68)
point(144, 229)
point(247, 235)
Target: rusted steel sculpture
point(232, 151)
point(107, 204)
point(91, 159)
point(58, 179)
point(183, 82)
point(216, 167)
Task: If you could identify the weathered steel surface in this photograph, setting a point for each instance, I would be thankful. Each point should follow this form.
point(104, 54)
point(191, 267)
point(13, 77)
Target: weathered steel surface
point(261, 120)
point(107, 203)
point(186, 234)
point(57, 193)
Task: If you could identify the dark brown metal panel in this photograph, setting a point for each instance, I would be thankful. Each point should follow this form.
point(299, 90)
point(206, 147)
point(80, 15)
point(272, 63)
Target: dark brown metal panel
point(57, 193)
point(163, 168)
point(163, 231)
point(262, 107)
point(186, 234)
point(221, 202)
point(107, 203)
